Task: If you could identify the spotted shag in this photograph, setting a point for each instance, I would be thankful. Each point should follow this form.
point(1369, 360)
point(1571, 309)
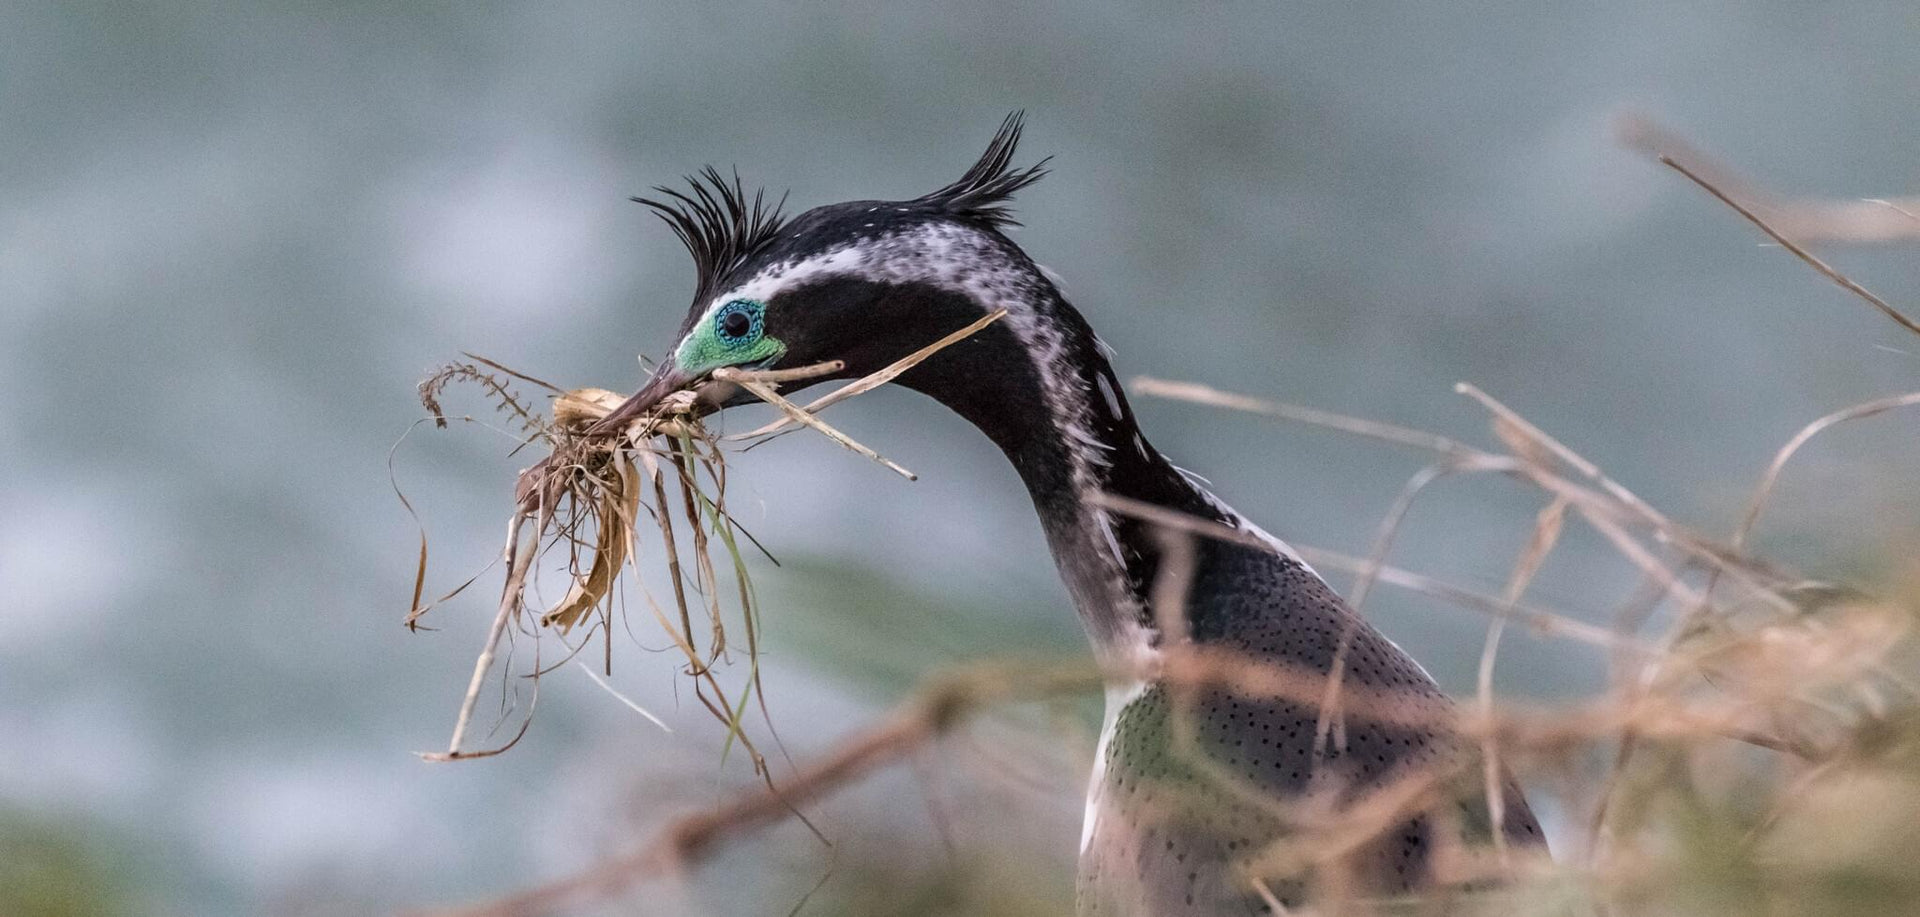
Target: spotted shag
point(1190, 786)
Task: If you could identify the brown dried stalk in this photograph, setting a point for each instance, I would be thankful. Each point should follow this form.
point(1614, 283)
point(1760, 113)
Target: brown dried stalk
point(1825, 270)
point(800, 415)
point(1546, 534)
point(1803, 218)
point(1758, 502)
point(873, 380)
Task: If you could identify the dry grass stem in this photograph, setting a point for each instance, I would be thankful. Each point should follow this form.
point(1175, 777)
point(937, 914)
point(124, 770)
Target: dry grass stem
point(1546, 533)
point(517, 560)
point(800, 415)
point(880, 377)
point(1825, 269)
point(1758, 503)
point(1807, 219)
point(1371, 429)
point(1544, 622)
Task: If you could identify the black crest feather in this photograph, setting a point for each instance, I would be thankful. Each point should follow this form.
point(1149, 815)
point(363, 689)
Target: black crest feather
point(984, 192)
point(723, 227)
point(720, 226)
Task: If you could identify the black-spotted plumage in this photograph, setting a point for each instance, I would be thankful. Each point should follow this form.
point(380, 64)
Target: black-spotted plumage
point(1190, 785)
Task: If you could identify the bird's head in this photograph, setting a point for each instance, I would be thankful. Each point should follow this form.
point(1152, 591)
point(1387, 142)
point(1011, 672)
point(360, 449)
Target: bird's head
point(862, 282)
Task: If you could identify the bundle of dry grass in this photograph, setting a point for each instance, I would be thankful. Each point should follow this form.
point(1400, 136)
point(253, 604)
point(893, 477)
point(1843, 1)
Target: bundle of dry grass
point(598, 488)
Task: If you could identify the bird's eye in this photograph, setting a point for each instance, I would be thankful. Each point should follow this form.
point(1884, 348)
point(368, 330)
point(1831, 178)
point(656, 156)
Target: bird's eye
point(732, 334)
point(738, 323)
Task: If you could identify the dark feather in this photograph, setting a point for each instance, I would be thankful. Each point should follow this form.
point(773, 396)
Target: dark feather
point(721, 228)
point(985, 190)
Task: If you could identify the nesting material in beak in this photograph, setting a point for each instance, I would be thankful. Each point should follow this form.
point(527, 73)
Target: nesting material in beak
point(666, 381)
point(613, 462)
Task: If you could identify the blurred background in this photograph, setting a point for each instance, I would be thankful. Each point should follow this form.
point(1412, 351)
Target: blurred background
point(232, 239)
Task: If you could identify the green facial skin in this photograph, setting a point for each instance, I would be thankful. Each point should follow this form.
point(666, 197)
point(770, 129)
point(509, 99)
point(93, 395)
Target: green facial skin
point(709, 347)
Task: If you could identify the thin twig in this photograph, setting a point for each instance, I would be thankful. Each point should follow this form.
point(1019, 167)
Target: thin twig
point(622, 698)
point(877, 378)
point(513, 372)
point(517, 561)
point(1767, 481)
point(1579, 463)
point(1825, 270)
point(800, 415)
point(1809, 219)
point(1540, 621)
point(1546, 534)
point(1372, 429)
point(796, 374)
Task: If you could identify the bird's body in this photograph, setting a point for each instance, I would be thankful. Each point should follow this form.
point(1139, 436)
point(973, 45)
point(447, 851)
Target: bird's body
point(1192, 781)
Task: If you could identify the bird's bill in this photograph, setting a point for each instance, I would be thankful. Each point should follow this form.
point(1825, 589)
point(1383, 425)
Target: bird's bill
point(666, 380)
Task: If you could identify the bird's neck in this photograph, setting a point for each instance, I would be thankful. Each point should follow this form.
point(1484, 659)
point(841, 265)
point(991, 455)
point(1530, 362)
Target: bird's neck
point(1039, 385)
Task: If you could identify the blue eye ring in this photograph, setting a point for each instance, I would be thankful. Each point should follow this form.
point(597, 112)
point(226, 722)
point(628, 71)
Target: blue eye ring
point(739, 323)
